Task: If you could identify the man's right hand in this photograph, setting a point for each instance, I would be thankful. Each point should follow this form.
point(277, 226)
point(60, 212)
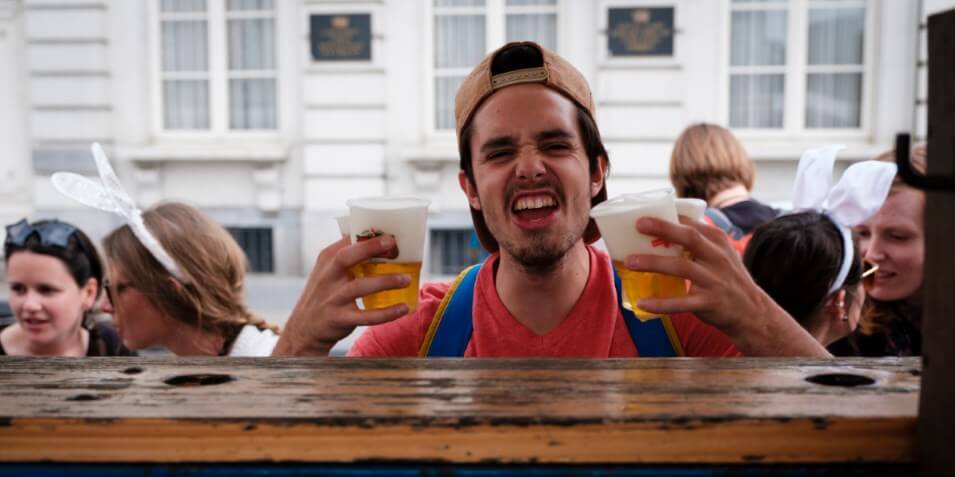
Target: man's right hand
point(326, 312)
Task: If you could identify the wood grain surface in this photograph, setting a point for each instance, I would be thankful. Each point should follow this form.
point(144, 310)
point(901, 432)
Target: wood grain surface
point(456, 410)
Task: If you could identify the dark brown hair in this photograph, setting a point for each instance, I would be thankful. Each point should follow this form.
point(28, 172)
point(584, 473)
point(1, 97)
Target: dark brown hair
point(795, 259)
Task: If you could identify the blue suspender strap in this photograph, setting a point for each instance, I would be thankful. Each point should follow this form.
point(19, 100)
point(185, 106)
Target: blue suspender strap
point(650, 337)
point(454, 322)
point(720, 220)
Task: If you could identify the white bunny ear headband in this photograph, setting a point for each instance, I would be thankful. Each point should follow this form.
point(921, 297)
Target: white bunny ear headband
point(109, 195)
point(858, 195)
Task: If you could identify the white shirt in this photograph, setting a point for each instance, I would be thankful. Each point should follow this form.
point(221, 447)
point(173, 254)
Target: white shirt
point(254, 342)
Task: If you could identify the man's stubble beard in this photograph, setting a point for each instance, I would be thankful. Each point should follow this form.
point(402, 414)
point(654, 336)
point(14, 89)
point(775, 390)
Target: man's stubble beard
point(539, 257)
point(541, 253)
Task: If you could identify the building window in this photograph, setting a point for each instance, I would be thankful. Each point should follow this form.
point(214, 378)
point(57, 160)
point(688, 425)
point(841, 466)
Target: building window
point(797, 64)
point(453, 250)
point(466, 30)
point(256, 242)
point(217, 65)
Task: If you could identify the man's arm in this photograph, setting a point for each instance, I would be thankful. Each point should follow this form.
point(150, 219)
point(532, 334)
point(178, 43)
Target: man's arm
point(326, 311)
point(722, 292)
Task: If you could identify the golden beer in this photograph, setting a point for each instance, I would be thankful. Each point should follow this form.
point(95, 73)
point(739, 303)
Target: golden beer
point(637, 285)
point(383, 299)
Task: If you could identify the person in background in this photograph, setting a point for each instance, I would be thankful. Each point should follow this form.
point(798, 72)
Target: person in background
point(796, 259)
point(808, 261)
point(893, 246)
point(709, 163)
point(198, 308)
point(55, 276)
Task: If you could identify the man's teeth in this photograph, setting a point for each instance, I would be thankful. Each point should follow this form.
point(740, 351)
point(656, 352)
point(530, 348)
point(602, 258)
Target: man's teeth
point(534, 202)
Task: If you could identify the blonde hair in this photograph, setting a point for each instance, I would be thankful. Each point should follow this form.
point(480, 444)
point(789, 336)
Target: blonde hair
point(707, 159)
point(878, 316)
point(213, 263)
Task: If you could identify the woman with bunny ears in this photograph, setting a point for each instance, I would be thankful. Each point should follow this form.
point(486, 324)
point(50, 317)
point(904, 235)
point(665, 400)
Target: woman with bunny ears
point(892, 243)
point(808, 261)
point(176, 277)
point(204, 314)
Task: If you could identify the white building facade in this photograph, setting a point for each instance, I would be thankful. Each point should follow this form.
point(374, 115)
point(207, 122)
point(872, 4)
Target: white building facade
point(270, 114)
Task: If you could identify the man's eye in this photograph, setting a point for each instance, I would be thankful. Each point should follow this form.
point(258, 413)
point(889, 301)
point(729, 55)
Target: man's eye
point(498, 155)
point(46, 290)
point(18, 288)
point(557, 147)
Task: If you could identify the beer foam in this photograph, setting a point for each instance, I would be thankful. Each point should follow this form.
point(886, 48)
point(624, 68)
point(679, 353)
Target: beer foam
point(404, 217)
point(617, 220)
point(691, 208)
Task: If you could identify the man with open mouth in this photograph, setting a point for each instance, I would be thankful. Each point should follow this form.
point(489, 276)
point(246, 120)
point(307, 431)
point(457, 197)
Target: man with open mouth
point(532, 166)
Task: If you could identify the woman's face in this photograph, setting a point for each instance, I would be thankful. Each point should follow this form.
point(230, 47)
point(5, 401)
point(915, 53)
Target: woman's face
point(893, 239)
point(139, 323)
point(47, 302)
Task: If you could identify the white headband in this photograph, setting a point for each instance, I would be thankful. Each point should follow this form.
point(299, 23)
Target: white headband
point(858, 195)
point(110, 196)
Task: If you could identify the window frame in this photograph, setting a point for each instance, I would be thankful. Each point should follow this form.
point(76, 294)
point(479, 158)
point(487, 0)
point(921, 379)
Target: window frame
point(796, 70)
point(216, 17)
point(495, 33)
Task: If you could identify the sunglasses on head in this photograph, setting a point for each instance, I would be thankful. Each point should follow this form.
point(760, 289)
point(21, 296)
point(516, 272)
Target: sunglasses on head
point(52, 234)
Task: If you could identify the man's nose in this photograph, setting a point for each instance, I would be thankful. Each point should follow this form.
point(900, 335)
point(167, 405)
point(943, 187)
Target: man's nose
point(530, 164)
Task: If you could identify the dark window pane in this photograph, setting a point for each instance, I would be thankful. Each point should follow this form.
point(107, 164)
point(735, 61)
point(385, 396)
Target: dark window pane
point(453, 250)
point(256, 242)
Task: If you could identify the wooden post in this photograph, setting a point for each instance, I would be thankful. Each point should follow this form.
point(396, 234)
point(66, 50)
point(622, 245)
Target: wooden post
point(936, 427)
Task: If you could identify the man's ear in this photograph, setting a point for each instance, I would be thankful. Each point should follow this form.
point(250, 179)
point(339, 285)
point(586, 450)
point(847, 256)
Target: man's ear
point(598, 177)
point(470, 190)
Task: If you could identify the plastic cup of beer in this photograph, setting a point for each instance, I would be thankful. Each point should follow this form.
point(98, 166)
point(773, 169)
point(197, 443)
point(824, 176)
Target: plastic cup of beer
point(617, 220)
point(406, 219)
point(691, 208)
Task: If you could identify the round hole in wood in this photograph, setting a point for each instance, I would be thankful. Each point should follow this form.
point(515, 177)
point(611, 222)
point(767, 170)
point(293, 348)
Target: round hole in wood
point(845, 380)
point(190, 380)
point(133, 370)
point(86, 397)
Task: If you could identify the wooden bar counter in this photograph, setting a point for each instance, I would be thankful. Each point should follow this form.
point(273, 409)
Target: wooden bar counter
point(607, 412)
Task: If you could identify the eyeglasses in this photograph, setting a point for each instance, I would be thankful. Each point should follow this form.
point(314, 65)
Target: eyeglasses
point(52, 233)
point(114, 290)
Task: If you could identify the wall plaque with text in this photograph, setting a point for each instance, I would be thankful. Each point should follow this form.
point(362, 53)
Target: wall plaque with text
point(345, 37)
point(640, 31)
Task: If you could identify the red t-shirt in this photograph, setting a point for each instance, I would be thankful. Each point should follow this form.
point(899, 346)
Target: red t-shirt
point(595, 327)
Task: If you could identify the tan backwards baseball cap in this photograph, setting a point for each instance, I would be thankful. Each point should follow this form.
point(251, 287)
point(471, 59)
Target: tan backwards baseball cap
point(519, 63)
